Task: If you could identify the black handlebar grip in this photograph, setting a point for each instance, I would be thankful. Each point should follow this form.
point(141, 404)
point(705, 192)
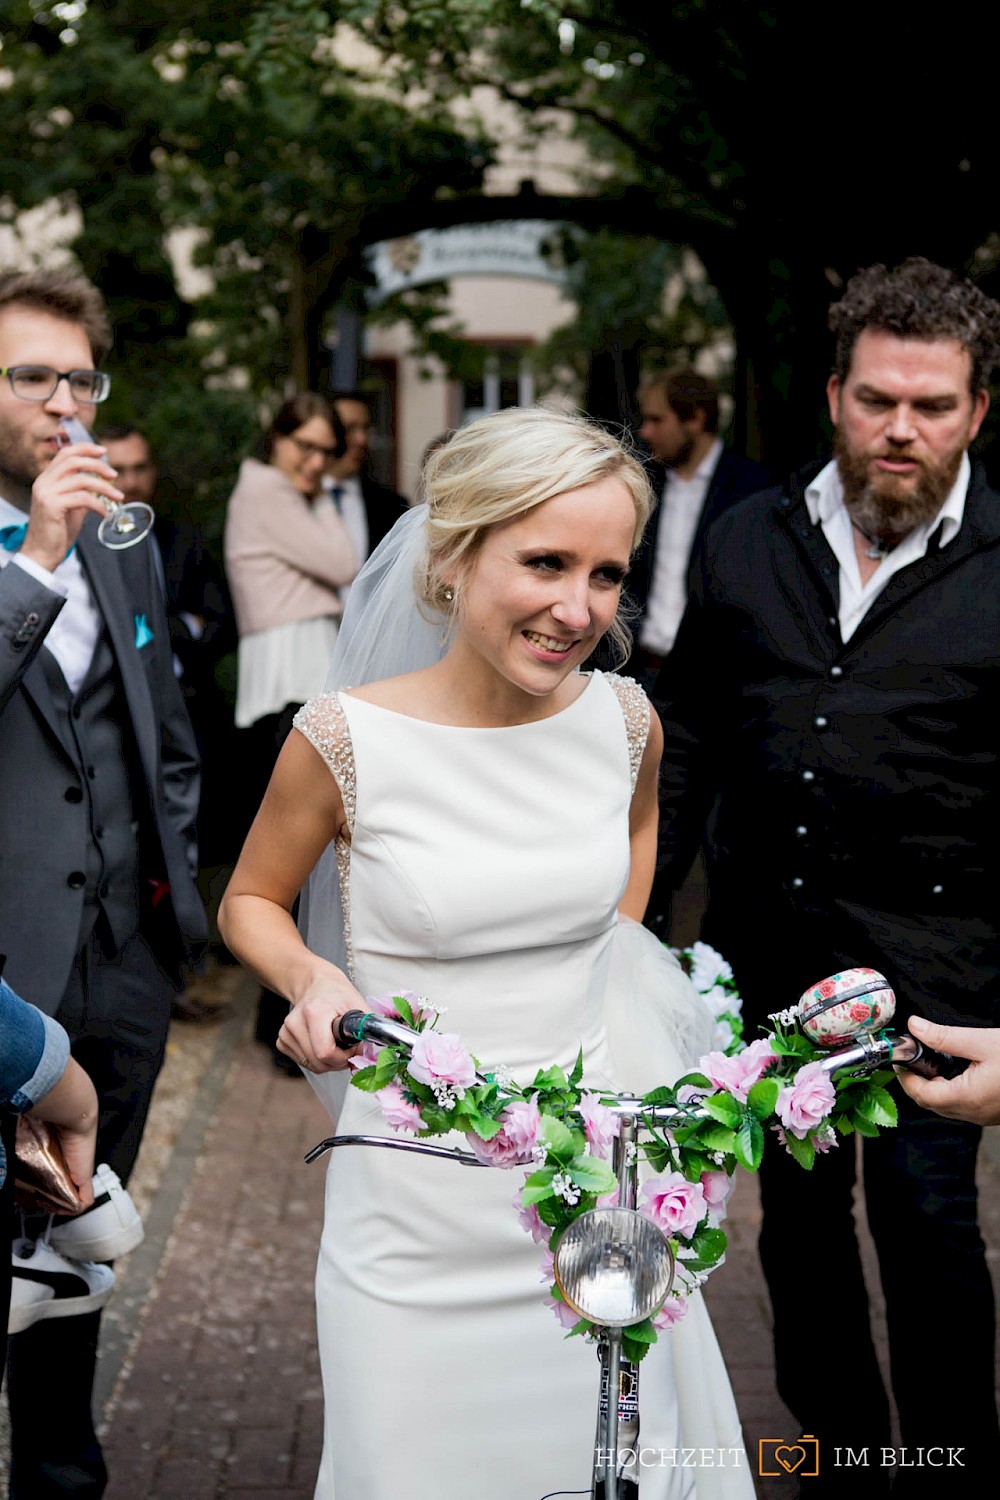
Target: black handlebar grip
point(931, 1064)
point(347, 1028)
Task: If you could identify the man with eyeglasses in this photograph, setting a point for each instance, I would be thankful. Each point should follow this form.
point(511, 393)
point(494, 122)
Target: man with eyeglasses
point(98, 796)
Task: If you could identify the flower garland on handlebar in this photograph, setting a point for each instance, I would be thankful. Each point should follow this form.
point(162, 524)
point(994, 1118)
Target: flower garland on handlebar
point(564, 1132)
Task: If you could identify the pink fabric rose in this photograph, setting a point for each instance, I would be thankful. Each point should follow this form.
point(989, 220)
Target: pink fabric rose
point(365, 1057)
point(442, 1058)
point(384, 1005)
point(512, 1145)
point(600, 1124)
point(521, 1123)
point(567, 1317)
point(530, 1220)
point(398, 1111)
point(676, 1205)
point(716, 1186)
point(805, 1103)
point(672, 1311)
point(737, 1075)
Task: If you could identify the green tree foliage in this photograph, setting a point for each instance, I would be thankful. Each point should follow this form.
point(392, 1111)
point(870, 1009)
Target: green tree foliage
point(244, 127)
point(786, 145)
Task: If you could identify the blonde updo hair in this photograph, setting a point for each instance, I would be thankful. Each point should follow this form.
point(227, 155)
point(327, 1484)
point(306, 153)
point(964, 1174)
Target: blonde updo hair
point(500, 467)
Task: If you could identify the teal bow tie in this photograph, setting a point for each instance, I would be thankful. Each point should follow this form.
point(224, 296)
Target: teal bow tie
point(12, 537)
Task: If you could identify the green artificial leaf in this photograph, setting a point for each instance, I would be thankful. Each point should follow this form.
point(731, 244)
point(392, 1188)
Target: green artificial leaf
point(694, 1163)
point(764, 1096)
point(723, 1107)
point(551, 1078)
point(638, 1340)
point(804, 1152)
point(716, 1137)
point(592, 1174)
point(694, 1080)
point(660, 1096)
point(560, 1140)
point(577, 1073)
point(709, 1246)
point(538, 1186)
point(878, 1106)
point(554, 1212)
point(436, 1120)
point(404, 1008)
point(659, 1156)
point(387, 1065)
point(642, 1333)
point(536, 1195)
point(864, 1127)
point(485, 1127)
point(748, 1147)
point(364, 1079)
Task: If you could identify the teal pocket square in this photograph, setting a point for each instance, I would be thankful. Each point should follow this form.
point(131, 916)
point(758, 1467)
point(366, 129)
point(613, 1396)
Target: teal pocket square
point(143, 634)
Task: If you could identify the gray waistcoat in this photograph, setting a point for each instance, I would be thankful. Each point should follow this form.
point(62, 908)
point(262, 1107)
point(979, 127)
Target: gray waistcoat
point(103, 748)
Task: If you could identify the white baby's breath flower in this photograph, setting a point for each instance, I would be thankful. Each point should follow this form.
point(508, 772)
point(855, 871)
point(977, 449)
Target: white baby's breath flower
point(565, 1188)
point(446, 1094)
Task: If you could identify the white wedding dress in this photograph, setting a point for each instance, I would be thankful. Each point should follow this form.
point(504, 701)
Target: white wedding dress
point(484, 871)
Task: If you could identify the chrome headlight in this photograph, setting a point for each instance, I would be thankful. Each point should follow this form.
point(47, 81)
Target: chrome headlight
point(614, 1266)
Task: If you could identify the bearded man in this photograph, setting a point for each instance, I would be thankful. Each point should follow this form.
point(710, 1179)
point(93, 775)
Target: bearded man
point(831, 696)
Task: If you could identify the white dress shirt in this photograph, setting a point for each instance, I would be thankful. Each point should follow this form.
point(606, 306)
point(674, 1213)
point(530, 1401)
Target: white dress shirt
point(73, 637)
point(825, 500)
point(682, 503)
point(349, 500)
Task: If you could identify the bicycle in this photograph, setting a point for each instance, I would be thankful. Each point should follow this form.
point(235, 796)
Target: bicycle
point(613, 1265)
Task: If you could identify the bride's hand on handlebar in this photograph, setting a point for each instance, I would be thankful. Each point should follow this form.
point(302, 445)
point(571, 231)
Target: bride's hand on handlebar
point(307, 1035)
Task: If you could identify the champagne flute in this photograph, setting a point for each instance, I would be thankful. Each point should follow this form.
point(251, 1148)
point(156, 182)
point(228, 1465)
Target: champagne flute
point(124, 525)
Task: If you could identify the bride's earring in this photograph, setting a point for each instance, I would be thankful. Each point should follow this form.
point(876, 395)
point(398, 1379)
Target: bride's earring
point(449, 595)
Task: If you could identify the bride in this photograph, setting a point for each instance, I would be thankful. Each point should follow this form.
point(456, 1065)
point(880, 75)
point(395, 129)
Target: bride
point(491, 818)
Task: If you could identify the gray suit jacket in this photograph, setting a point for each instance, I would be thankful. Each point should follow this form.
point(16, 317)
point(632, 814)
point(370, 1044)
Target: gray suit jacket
point(43, 820)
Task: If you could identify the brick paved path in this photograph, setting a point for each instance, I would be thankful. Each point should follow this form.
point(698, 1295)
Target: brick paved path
point(220, 1397)
point(223, 1395)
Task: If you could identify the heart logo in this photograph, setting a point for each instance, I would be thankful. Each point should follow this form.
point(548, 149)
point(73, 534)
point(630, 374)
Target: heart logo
point(790, 1458)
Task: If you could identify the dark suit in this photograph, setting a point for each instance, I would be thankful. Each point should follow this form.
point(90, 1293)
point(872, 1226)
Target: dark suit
point(734, 478)
point(98, 911)
point(196, 585)
point(857, 791)
point(383, 508)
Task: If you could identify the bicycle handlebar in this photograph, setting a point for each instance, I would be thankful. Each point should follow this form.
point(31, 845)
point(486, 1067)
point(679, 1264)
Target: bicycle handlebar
point(866, 1053)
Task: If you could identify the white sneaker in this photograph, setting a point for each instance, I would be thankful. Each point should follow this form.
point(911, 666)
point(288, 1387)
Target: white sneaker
point(109, 1228)
point(44, 1284)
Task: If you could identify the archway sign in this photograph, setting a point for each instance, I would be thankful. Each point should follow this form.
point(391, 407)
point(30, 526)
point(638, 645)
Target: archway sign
point(527, 248)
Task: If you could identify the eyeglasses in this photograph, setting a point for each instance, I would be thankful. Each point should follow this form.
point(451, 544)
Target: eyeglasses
point(313, 450)
point(39, 382)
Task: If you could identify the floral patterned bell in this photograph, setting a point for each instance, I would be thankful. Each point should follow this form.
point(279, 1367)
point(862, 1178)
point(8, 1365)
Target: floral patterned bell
point(846, 1005)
